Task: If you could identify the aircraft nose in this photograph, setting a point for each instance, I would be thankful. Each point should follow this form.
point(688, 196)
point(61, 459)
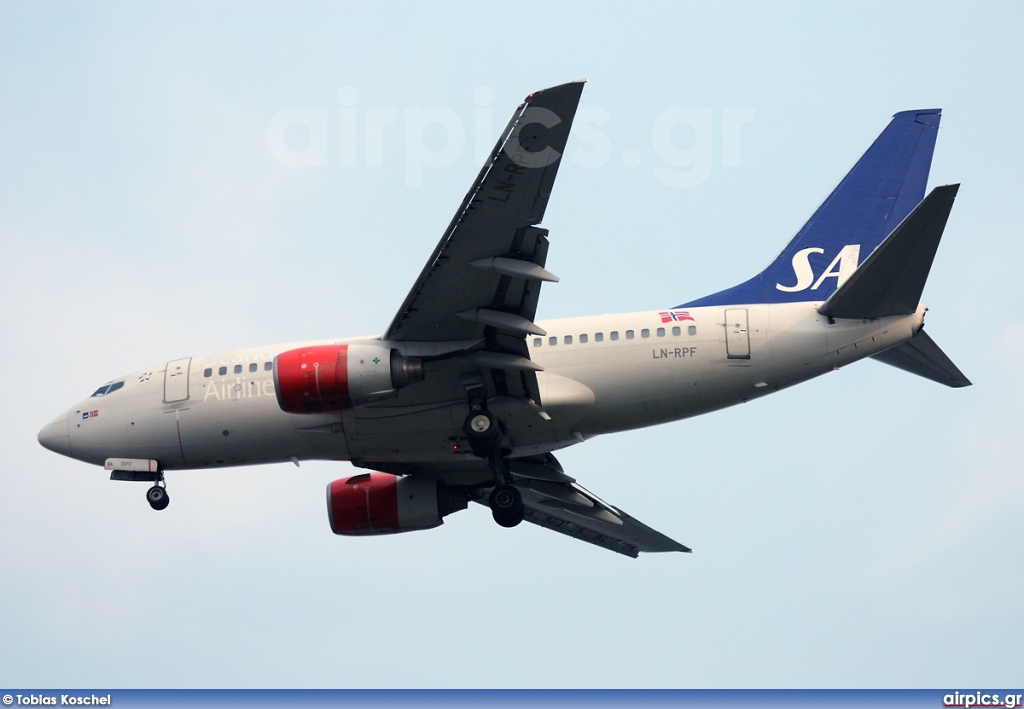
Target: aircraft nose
point(54, 435)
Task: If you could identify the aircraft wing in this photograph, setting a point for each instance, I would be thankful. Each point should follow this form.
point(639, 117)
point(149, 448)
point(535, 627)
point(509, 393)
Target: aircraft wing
point(481, 286)
point(487, 269)
point(568, 508)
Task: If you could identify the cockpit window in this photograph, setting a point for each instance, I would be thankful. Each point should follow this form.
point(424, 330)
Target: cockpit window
point(108, 389)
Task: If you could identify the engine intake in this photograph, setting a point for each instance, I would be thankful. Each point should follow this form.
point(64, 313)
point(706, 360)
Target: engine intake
point(380, 503)
point(322, 378)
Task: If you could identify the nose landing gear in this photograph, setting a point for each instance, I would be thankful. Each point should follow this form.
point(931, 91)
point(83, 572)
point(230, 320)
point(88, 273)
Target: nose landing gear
point(141, 470)
point(157, 496)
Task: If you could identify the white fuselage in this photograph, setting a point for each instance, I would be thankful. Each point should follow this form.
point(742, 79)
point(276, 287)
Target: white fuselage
point(601, 374)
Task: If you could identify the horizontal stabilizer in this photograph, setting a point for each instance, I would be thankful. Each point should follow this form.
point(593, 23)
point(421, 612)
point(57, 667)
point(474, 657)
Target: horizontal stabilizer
point(891, 279)
point(921, 356)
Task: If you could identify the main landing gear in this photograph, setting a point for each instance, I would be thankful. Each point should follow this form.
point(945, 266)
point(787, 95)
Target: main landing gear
point(507, 505)
point(157, 496)
point(483, 431)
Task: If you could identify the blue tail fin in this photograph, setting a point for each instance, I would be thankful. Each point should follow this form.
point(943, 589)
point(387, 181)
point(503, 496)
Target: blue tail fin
point(882, 188)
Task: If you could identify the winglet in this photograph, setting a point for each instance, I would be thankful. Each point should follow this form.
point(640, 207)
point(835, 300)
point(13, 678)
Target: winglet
point(578, 83)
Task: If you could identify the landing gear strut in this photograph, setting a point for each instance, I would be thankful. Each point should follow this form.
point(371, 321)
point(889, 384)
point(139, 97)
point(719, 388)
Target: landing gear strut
point(483, 431)
point(157, 496)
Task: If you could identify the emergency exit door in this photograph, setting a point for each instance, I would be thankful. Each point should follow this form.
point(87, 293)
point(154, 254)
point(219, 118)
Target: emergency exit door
point(737, 338)
point(176, 380)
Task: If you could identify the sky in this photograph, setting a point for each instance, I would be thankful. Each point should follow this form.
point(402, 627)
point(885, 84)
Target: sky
point(184, 178)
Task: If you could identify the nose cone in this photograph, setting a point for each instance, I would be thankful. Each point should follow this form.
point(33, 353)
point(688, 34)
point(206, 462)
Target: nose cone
point(54, 435)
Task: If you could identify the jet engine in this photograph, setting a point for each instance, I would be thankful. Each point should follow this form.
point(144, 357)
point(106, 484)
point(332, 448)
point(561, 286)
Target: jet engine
point(380, 503)
point(321, 378)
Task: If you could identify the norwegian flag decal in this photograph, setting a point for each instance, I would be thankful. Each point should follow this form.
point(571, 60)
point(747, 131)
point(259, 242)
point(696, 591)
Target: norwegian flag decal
point(675, 316)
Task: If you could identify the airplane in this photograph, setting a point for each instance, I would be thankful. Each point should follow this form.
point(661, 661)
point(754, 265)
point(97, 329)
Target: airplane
point(465, 397)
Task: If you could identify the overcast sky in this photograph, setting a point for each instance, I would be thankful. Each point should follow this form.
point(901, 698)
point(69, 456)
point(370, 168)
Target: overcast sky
point(159, 200)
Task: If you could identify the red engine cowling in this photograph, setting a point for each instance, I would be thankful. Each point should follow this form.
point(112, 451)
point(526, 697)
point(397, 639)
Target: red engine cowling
point(379, 503)
point(321, 378)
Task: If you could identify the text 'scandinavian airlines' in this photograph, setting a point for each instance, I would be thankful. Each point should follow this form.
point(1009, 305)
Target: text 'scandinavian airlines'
point(466, 396)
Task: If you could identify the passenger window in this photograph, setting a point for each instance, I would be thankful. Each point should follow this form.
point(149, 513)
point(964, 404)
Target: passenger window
point(222, 371)
point(268, 365)
point(598, 337)
point(629, 334)
point(114, 387)
point(568, 339)
point(102, 390)
point(252, 367)
point(615, 335)
point(238, 369)
point(645, 333)
point(207, 372)
point(692, 330)
point(676, 331)
point(552, 341)
point(583, 338)
point(538, 341)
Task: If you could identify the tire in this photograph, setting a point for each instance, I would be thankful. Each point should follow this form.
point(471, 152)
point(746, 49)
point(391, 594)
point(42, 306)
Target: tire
point(158, 498)
point(480, 423)
point(507, 505)
point(483, 433)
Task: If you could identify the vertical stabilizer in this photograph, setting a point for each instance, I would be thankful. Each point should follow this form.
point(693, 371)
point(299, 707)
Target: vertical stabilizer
point(876, 195)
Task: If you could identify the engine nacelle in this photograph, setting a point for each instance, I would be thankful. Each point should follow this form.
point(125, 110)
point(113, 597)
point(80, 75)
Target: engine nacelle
point(380, 503)
point(321, 378)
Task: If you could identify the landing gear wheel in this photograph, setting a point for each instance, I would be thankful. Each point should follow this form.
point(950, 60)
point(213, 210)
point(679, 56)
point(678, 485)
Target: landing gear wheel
point(157, 497)
point(507, 505)
point(483, 432)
